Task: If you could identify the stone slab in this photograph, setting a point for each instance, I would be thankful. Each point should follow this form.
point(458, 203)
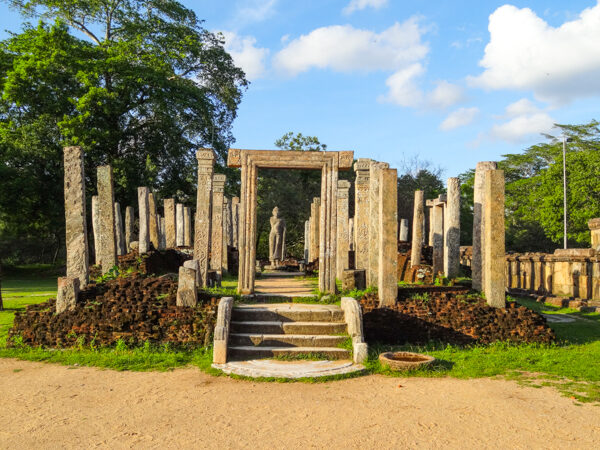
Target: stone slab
point(267, 368)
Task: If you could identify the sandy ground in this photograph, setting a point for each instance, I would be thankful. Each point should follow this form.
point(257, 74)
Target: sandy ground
point(52, 406)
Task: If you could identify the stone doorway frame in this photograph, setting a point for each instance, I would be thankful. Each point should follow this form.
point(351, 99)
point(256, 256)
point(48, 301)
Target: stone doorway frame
point(250, 161)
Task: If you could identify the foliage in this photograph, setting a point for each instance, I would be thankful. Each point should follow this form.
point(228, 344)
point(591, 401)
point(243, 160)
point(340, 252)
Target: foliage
point(138, 84)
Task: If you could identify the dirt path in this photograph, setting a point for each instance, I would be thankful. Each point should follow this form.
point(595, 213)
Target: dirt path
point(51, 406)
point(283, 283)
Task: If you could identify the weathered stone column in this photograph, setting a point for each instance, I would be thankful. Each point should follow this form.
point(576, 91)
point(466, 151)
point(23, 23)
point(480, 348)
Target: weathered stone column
point(202, 227)
point(375, 169)
point(494, 253)
point(235, 220)
point(387, 278)
point(163, 237)
point(403, 230)
point(129, 227)
point(170, 224)
point(68, 291)
point(478, 205)
point(179, 225)
point(187, 294)
point(328, 227)
point(144, 220)
point(594, 226)
point(106, 212)
point(75, 216)
point(417, 230)
point(306, 239)
point(452, 229)
point(119, 233)
point(153, 220)
point(187, 226)
point(437, 227)
point(226, 234)
point(342, 262)
point(216, 247)
point(96, 229)
point(430, 212)
point(361, 213)
point(351, 234)
point(315, 223)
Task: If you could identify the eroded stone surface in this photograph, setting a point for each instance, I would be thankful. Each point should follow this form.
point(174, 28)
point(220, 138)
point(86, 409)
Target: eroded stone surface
point(144, 220)
point(203, 222)
point(342, 262)
point(494, 252)
point(452, 229)
point(119, 232)
point(361, 213)
point(106, 214)
point(68, 290)
point(187, 293)
point(268, 368)
point(478, 222)
point(216, 247)
point(417, 229)
point(170, 223)
point(403, 230)
point(387, 280)
point(179, 225)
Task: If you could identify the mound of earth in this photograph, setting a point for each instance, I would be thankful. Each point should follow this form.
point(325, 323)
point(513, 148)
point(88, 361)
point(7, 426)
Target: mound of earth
point(135, 309)
point(451, 318)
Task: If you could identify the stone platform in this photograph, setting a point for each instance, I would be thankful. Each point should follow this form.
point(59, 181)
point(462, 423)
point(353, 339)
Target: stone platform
point(269, 368)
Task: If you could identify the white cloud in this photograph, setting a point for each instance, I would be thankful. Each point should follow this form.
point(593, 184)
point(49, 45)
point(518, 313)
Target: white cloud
point(253, 11)
point(445, 95)
point(521, 107)
point(459, 118)
point(555, 63)
point(403, 89)
point(246, 54)
point(521, 128)
point(344, 48)
point(357, 5)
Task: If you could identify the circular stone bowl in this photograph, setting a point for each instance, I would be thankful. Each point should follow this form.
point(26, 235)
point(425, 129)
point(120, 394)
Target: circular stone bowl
point(401, 361)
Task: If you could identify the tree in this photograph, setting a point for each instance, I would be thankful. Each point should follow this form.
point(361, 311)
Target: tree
point(138, 84)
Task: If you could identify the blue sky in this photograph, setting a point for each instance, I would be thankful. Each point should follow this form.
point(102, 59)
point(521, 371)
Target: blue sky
point(450, 82)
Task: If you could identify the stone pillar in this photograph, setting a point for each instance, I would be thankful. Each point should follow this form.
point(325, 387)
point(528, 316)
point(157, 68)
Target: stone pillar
point(226, 234)
point(387, 279)
point(351, 234)
point(494, 253)
point(163, 237)
point(203, 223)
point(106, 213)
point(403, 230)
point(315, 222)
point(430, 212)
point(342, 261)
point(306, 239)
point(478, 199)
point(594, 226)
point(75, 216)
point(193, 264)
point(170, 227)
point(328, 227)
point(96, 229)
point(247, 227)
point(361, 213)
point(153, 221)
point(227, 221)
point(119, 233)
point(452, 229)
point(235, 220)
point(179, 225)
point(417, 230)
point(144, 220)
point(68, 291)
point(187, 226)
point(437, 227)
point(374, 170)
point(129, 227)
point(216, 247)
point(187, 293)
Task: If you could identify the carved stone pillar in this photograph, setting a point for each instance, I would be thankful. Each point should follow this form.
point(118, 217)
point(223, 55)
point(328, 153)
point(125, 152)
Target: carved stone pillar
point(202, 227)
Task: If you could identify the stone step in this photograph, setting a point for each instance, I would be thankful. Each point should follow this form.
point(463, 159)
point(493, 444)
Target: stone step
point(287, 314)
point(285, 340)
point(276, 327)
point(251, 352)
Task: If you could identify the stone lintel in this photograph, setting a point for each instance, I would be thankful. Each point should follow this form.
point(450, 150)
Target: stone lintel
point(289, 159)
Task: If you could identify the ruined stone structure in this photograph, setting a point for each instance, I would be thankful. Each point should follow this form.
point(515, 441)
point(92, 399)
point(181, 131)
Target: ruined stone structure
point(375, 169)
point(179, 225)
point(343, 242)
point(361, 213)
point(75, 216)
point(96, 229)
point(250, 162)
point(235, 219)
point(494, 282)
point(452, 229)
point(106, 215)
point(129, 227)
point(594, 226)
point(144, 220)
point(170, 224)
point(119, 231)
point(478, 222)
point(417, 229)
point(187, 226)
point(216, 242)
point(203, 222)
point(315, 222)
point(153, 221)
point(387, 232)
point(403, 230)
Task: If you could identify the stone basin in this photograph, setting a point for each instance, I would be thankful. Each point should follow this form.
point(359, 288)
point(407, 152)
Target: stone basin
point(401, 361)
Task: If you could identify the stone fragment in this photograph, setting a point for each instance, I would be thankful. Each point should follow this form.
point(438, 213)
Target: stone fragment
point(75, 215)
point(354, 279)
point(187, 226)
point(361, 213)
point(216, 247)
point(119, 232)
point(96, 229)
point(153, 221)
point(403, 230)
point(343, 247)
point(179, 225)
point(221, 334)
point(187, 293)
point(170, 227)
point(494, 253)
point(194, 264)
point(387, 280)
point(594, 226)
point(68, 291)
point(106, 214)
point(144, 220)
point(203, 223)
point(478, 199)
point(129, 227)
point(452, 229)
point(417, 230)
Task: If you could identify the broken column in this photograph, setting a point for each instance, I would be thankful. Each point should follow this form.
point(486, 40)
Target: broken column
point(216, 247)
point(75, 215)
point(202, 226)
point(437, 227)
point(162, 242)
point(179, 225)
point(306, 239)
point(153, 221)
point(227, 222)
point(361, 213)
point(187, 293)
point(315, 226)
point(226, 235)
point(452, 229)
point(430, 212)
point(387, 279)
point(170, 227)
point(96, 229)
point(144, 219)
point(235, 217)
point(129, 227)
point(106, 214)
point(66, 297)
point(478, 223)
point(119, 233)
point(375, 169)
point(187, 226)
point(493, 250)
point(342, 262)
point(403, 230)
point(417, 230)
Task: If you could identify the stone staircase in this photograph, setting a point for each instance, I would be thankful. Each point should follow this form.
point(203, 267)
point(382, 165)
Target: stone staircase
point(287, 329)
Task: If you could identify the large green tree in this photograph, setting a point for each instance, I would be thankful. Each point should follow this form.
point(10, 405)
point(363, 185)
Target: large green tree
point(138, 84)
